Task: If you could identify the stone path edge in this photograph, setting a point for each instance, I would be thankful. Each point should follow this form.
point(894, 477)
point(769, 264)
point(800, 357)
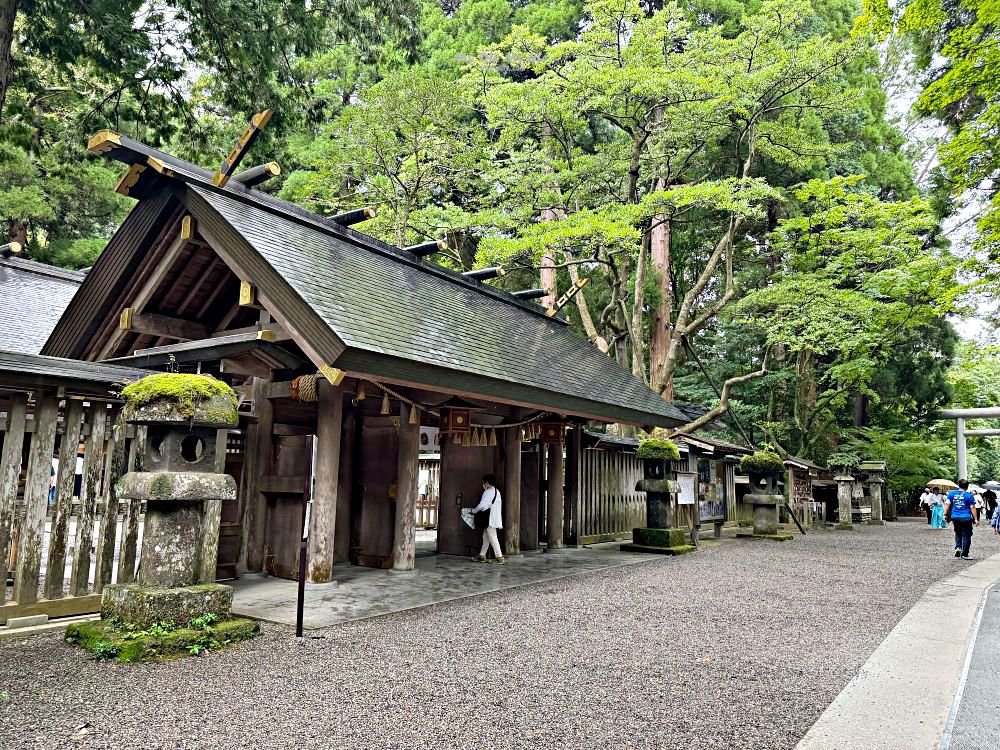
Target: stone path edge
point(470, 595)
point(877, 709)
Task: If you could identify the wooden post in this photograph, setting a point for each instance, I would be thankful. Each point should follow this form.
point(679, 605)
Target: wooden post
point(133, 508)
point(93, 463)
point(10, 470)
point(55, 572)
point(258, 464)
point(109, 520)
point(407, 476)
point(211, 518)
point(574, 480)
point(512, 491)
point(323, 522)
point(342, 532)
point(554, 498)
point(36, 501)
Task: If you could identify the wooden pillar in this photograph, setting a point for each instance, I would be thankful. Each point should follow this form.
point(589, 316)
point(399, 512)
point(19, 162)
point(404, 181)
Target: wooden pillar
point(348, 459)
point(211, 518)
point(10, 471)
point(93, 462)
point(512, 491)
point(554, 498)
point(109, 519)
point(56, 569)
point(323, 521)
point(407, 476)
point(36, 500)
point(574, 484)
point(133, 509)
point(258, 460)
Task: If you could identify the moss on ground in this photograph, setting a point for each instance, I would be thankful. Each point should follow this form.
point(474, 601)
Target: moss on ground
point(109, 640)
point(185, 391)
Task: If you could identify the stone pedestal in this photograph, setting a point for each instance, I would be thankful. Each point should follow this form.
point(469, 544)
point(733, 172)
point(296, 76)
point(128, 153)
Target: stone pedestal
point(845, 484)
point(658, 536)
point(765, 501)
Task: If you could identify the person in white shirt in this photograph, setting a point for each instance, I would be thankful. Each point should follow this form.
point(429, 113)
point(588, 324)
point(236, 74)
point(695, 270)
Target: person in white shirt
point(490, 501)
point(927, 502)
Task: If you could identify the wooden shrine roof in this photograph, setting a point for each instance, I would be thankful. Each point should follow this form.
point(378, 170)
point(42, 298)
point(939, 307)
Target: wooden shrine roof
point(367, 308)
point(33, 296)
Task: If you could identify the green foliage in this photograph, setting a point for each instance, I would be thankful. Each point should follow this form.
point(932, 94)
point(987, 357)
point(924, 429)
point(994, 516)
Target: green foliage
point(661, 449)
point(187, 391)
point(204, 622)
point(911, 459)
point(762, 462)
point(105, 650)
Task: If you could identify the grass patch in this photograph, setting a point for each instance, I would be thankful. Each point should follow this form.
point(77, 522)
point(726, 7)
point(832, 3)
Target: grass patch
point(110, 640)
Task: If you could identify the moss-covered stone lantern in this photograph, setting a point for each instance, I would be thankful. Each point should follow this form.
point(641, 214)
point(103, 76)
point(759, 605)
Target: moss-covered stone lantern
point(659, 483)
point(764, 469)
point(183, 493)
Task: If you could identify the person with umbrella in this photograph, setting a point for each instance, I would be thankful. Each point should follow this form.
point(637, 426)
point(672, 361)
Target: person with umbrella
point(960, 509)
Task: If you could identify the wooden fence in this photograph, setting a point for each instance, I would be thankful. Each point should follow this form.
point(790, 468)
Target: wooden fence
point(430, 493)
point(63, 553)
point(610, 506)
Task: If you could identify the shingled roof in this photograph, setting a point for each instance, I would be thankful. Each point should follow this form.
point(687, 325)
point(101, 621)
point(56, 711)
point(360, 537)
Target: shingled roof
point(367, 307)
point(42, 289)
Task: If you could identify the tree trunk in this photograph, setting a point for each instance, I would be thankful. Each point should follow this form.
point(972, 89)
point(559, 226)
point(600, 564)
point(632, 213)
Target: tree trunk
point(18, 232)
point(8, 12)
point(547, 272)
point(638, 307)
point(860, 410)
point(660, 329)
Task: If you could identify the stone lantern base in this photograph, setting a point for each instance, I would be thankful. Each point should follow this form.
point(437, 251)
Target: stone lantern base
point(765, 518)
point(659, 542)
point(142, 607)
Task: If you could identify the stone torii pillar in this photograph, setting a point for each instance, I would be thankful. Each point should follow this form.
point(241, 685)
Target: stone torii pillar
point(876, 490)
point(845, 483)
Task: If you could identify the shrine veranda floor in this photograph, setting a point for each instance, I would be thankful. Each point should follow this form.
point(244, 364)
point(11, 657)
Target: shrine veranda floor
point(740, 645)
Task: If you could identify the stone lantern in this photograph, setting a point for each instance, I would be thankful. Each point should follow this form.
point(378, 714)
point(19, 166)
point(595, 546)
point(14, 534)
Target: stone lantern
point(659, 534)
point(764, 470)
point(180, 539)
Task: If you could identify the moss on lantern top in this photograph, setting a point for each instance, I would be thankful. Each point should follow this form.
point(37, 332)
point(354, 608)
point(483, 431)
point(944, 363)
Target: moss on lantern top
point(762, 462)
point(658, 448)
point(200, 398)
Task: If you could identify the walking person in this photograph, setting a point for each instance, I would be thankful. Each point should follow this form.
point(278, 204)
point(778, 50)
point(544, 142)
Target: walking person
point(927, 503)
point(937, 510)
point(489, 510)
point(960, 509)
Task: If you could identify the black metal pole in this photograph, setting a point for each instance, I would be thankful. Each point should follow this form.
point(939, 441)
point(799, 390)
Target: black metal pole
point(792, 514)
point(304, 544)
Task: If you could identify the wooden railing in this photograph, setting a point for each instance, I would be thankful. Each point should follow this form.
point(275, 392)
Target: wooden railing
point(610, 506)
point(60, 553)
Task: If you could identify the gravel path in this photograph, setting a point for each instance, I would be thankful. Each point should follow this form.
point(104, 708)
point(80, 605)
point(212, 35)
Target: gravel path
point(741, 645)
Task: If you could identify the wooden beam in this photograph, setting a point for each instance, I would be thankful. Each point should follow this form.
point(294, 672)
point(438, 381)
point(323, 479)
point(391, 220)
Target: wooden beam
point(259, 174)
point(130, 179)
point(66, 607)
point(227, 319)
point(197, 286)
point(238, 151)
point(242, 367)
point(159, 166)
point(148, 289)
point(248, 294)
point(154, 324)
point(570, 293)
point(282, 485)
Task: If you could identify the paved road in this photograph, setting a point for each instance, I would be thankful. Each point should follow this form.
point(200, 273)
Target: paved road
point(977, 723)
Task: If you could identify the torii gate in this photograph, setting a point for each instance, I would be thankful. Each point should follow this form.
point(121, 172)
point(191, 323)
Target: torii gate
point(960, 416)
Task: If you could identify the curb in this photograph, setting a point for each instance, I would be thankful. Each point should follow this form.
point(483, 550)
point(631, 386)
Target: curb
point(928, 647)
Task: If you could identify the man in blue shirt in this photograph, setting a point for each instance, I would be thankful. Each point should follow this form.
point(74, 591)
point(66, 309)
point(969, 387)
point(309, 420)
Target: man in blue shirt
point(960, 507)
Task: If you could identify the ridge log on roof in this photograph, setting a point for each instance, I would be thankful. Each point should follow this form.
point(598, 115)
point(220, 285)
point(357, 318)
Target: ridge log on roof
point(482, 274)
point(353, 303)
point(530, 293)
point(427, 248)
point(259, 174)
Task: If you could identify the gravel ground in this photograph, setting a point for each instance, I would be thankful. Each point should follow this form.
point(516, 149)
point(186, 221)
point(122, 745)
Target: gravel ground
point(741, 645)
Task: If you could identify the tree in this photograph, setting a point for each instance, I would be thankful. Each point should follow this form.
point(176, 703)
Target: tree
point(858, 279)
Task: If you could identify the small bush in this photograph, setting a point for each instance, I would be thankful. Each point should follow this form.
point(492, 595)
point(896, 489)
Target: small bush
point(762, 462)
point(104, 650)
point(662, 449)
